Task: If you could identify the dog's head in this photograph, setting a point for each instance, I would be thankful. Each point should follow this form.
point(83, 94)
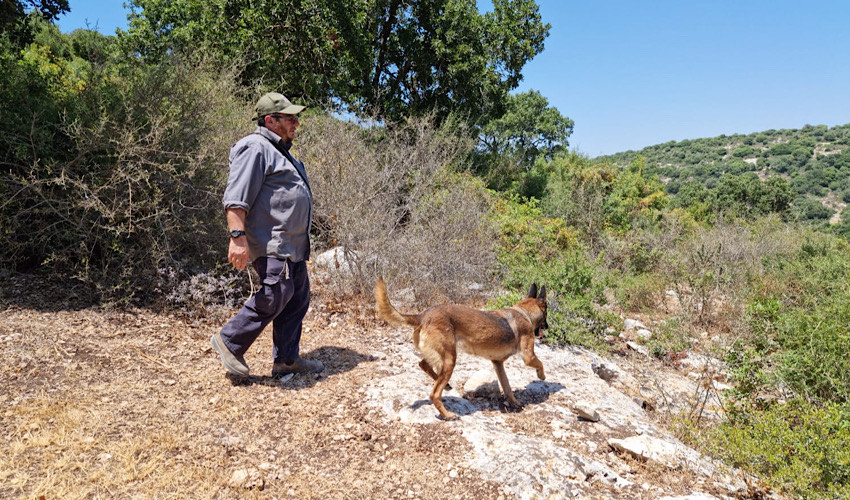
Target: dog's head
point(540, 302)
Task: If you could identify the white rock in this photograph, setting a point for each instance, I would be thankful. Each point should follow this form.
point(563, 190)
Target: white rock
point(482, 384)
point(644, 334)
point(700, 362)
point(632, 324)
point(604, 371)
point(586, 411)
point(335, 258)
point(638, 348)
point(672, 455)
point(719, 386)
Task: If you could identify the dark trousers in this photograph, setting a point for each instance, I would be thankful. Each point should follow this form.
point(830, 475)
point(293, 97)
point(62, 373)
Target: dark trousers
point(283, 299)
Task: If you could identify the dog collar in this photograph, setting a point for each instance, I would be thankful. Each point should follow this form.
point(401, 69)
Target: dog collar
point(525, 314)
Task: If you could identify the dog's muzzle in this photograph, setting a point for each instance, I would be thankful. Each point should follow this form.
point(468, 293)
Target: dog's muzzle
point(538, 332)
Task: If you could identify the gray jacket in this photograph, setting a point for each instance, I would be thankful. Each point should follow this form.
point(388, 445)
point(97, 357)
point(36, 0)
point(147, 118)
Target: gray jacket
point(271, 185)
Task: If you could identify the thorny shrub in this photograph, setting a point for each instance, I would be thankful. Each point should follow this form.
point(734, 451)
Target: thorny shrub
point(140, 191)
point(389, 199)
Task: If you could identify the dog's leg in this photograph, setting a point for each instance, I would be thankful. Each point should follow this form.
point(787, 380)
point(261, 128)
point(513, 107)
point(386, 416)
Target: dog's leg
point(431, 373)
point(441, 381)
point(506, 386)
point(531, 359)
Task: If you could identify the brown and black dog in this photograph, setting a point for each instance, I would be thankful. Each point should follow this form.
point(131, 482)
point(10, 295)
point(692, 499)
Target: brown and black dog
point(440, 331)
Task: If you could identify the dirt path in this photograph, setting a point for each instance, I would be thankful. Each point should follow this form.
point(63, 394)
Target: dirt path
point(128, 404)
point(120, 404)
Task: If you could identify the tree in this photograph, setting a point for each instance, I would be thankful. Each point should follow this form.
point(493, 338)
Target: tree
point(13, 16)
point(510, 146)
point(529, 129)
point(388, 59)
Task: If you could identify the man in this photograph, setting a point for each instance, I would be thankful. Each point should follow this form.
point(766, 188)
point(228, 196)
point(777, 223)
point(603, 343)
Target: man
point(269, 211)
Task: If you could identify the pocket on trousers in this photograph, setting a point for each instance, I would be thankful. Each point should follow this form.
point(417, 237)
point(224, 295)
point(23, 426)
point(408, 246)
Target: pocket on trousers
point(266, 298)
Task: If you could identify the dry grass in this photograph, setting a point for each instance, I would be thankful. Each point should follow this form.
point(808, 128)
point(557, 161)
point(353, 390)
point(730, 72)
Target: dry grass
point(100, 403)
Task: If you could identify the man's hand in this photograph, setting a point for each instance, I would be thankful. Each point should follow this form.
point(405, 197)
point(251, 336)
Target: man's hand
point(237, 254)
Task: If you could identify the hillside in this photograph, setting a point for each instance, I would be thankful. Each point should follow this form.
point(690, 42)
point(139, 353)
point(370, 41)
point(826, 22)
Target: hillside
point(135, 404)
point(815, 160)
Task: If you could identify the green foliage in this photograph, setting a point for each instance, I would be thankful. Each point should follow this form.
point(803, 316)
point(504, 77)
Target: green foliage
point(643, 292)
point(799, 446)
point(742, 195)
point(16, 23)
point(813, 161)
point(807, 209)
point(536, 249)
point(798, 324)
point(104, 178)
point(511, 147)
point(383, 58)
point(596, 197)
point(669, 339)
point(310, 48)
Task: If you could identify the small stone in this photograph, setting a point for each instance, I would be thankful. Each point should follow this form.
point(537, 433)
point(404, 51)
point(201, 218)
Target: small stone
point(603, 371)
point(586, 411)
point(638, 348)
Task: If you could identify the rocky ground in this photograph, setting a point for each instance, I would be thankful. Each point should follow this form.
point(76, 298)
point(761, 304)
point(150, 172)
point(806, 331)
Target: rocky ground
point(133, 403)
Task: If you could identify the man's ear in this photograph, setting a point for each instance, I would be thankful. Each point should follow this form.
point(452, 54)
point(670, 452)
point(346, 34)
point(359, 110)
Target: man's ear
point(532, 292)
point(542, 295)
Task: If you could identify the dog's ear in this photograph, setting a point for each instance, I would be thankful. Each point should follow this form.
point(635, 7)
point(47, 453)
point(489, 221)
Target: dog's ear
point(532, 292)
point(542, 295)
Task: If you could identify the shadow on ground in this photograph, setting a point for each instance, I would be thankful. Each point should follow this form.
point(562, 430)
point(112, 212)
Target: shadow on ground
point(337, 360)
point(535, 393)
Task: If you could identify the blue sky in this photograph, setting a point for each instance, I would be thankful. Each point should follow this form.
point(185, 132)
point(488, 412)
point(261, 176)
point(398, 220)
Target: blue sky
point(632, 74)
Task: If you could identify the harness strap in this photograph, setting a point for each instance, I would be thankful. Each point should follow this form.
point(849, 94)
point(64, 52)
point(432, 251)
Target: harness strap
point(524, 314)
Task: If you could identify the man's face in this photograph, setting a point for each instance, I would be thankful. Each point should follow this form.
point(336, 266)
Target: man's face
point(282, 125)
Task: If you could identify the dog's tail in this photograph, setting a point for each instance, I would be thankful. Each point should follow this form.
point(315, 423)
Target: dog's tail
point(387, 312)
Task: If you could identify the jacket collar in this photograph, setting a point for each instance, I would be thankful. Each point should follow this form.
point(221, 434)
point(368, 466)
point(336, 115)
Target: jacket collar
point(276, 139)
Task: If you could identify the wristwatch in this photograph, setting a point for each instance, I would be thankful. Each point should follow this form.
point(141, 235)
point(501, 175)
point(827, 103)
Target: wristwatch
point(235, 233)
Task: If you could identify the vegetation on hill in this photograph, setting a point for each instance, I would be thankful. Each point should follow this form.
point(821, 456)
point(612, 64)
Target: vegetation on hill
point(114, 154)
point(802, 174)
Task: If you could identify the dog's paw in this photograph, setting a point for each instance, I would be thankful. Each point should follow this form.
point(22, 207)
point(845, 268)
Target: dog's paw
point(448, 417)
point(541, 375)
point(513, 407)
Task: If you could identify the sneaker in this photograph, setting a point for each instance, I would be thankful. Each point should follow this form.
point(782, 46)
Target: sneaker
point(300, 365)
point(233, 363)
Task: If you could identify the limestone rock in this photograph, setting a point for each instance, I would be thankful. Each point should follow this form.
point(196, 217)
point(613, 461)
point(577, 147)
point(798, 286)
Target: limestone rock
point(247, 478)
point(482, 384)
point(638, 348)
point(335, 258)
point(632, 324)
point(586, 411)
point(604, 371)
point(672, 455)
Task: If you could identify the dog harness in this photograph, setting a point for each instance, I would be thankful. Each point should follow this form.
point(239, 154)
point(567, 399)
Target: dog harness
point(525, 314)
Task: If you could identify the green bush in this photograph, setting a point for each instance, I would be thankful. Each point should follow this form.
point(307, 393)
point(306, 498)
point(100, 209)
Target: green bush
point(643, 292)
point(669, 339)
point(537, 249)
point(798, 446)
point(122, 185)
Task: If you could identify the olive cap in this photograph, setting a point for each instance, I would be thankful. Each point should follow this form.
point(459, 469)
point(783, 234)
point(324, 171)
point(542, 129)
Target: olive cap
point(276, 103)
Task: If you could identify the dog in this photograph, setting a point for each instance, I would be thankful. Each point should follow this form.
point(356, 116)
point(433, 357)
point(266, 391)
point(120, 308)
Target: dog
point(440, 331)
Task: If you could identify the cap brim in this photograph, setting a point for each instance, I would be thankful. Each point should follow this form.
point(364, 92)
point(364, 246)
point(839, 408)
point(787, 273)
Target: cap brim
point(292, 109)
